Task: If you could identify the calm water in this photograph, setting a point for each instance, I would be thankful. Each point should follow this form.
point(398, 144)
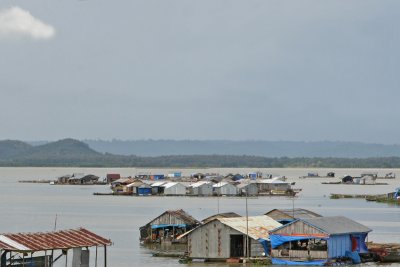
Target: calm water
point(33, 207)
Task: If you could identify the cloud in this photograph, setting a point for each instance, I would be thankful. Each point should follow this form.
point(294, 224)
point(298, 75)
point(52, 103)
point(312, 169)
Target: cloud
point(17, 22)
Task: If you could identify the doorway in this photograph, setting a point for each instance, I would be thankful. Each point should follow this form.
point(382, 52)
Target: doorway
point(237, 246)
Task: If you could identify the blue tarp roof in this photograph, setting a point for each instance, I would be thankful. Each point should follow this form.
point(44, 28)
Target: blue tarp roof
point(302, 263)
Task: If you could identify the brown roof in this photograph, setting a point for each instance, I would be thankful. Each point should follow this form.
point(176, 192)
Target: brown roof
point(51, 240)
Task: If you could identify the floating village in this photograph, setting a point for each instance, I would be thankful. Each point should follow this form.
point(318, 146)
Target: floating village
point(293, 236)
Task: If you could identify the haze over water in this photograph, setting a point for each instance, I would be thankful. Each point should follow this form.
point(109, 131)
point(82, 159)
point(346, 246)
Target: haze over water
point(28, 207)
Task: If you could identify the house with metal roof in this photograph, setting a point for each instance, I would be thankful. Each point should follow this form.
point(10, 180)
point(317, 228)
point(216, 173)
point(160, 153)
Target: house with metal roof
point(174, 189)
point(201, 188)
point(285, 216)
point(167, 227)
point(235, 237)
point(247, 189)
point(224, 189)
point(139, 188)
point(316, 241)
point(47, 249)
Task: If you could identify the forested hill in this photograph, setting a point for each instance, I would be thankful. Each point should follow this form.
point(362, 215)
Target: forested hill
point(253, 148)
point(73, 153)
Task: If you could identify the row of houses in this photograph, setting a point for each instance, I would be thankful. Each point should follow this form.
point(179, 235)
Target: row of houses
point(287, 237)
point(202, 188)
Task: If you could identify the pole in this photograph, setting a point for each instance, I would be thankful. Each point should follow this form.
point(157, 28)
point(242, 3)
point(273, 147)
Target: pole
point(105, 256)
point(247, 229)
point(95, 262)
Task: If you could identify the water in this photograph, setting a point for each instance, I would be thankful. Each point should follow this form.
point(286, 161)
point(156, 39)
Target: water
point(34, 207)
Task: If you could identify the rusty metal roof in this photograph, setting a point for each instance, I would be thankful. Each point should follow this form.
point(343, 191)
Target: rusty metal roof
point(259, 226)
point(66, 239)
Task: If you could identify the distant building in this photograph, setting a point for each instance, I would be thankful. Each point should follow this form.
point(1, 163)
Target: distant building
point(111, 177)
point(224, 189)
point(201, 188)
point(174, 189)
point(247, 189)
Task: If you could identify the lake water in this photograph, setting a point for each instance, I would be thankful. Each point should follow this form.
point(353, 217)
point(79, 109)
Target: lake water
point(28, 207)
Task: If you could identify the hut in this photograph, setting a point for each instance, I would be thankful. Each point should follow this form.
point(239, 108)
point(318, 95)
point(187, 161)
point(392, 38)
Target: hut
point(224, 189)
point(318, 240)
point(201, 188)
point(285, 216)
point(45, 249)
point(224, 238)
point(167, 227)
point(174, 189)
point(247, 189)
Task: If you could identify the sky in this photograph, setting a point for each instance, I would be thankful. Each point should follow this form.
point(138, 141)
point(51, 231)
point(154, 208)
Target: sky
point(211, 69)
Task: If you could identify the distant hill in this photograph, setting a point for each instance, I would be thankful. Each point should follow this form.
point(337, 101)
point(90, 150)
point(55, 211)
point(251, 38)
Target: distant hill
point(74, 153)
point(63, 152)
point(251, 148)
point(11, 148)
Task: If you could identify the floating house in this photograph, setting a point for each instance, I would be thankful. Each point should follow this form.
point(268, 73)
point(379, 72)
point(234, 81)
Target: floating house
point(285, 216)
point(157, 187)
point(174, 189)
point(274, 187)
point(247, 189)
point(225, 238)
point(139, 188)
point(120, 185)
point(157, 177)
point(201, 188)
point(316, 241)
point(174, 175)
point(77, 179)
point(224, 189)
point(48, 249)
point(167, 227)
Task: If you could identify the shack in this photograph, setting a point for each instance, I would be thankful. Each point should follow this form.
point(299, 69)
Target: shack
point(318, 240)
point(201, 188)
point(83, 179)
point(167, 227)
point(157, 188)
point(225, 238)
point(120, 185)
point(224, 189)
point(139, 188)
point(46, 249)
point(285, 216)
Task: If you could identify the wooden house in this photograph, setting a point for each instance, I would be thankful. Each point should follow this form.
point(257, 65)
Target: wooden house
point(167, 227)
point(224, 238)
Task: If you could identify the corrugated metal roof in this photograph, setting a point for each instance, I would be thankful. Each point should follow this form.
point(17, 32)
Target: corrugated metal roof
point(221, 184)
point(51, 240)
point(158, 183)
point(337, 225)
point(200, 183)
point(170, 184)
point(259, 226)
point(295, 213)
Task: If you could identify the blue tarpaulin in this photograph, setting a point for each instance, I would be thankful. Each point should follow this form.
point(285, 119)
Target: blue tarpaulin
point(302, 263)
point(266, 245)
point(277, 240)
point(156, 226)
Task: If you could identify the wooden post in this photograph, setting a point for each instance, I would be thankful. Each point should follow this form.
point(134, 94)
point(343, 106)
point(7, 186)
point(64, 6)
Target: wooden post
point(105, 256)
point(66, 258)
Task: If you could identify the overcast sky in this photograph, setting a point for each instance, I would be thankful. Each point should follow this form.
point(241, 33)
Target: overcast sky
point(239, 70)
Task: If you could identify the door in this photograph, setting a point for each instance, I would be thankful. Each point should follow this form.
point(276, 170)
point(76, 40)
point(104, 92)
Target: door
point(237, 246)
